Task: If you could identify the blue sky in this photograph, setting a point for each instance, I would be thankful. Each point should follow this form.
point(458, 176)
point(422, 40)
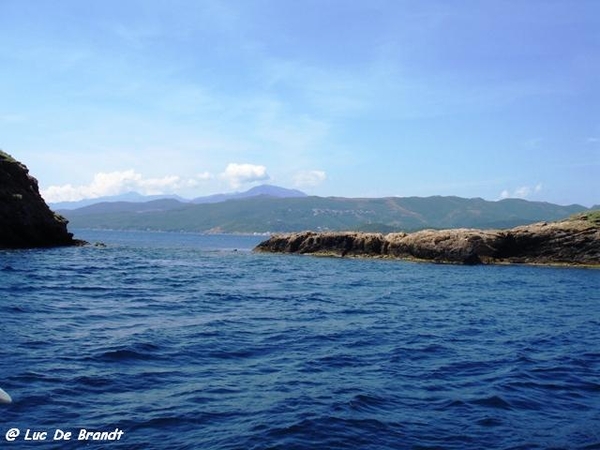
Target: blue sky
point(374, 98)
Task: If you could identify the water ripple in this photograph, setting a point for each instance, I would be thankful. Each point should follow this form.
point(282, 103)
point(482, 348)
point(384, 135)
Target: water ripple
point(184, 344)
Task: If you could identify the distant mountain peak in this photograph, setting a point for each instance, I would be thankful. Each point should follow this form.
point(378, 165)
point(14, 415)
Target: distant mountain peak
point(274, 191)
point(131, 197)
point(267, 190)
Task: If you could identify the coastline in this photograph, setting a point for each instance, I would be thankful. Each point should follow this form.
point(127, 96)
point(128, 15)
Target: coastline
point(573, 242)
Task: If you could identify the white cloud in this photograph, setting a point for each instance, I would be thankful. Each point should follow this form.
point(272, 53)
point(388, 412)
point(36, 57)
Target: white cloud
point(118, 182)
point(205, 176)
point(238, 174)
point(521, 192)
point(309, 178)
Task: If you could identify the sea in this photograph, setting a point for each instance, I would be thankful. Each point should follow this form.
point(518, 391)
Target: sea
point(188, 341)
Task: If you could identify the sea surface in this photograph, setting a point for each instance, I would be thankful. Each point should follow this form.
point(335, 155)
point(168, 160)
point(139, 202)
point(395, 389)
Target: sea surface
point(185, 341)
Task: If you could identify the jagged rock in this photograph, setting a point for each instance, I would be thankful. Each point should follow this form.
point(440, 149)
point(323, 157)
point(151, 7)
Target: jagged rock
point(25, 219)
point(572, 241)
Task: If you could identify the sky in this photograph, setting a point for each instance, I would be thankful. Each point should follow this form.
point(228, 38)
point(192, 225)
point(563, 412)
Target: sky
point(363, 98)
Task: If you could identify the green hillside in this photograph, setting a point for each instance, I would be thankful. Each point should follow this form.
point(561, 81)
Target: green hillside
point(268, 214)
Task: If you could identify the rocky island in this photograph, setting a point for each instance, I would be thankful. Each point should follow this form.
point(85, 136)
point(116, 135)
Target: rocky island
point(26, 221)
point(573, 241)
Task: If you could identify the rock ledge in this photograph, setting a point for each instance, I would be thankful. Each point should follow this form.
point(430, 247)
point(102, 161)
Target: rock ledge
point(573, 241)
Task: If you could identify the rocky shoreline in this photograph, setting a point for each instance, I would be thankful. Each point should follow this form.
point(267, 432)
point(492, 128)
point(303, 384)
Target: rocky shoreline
point(26, 221)
point(573, 241)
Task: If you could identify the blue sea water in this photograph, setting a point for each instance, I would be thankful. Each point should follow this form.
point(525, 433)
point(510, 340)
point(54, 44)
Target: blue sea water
point(186, 341)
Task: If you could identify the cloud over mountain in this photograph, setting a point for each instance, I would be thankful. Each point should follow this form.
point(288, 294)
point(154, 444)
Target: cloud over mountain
point(521, 192)
point(118, 182)
point(114, 183)
point(309, 178)
point(238, 174)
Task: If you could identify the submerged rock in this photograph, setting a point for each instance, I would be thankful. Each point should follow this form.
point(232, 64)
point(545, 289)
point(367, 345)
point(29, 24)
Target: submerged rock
point(572, 241)
point(26, 221)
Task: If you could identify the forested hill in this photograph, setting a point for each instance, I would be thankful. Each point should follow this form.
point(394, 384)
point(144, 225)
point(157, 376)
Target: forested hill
point(262, 214)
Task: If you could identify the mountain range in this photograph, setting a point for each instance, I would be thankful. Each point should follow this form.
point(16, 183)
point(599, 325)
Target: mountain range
point(267, 209)
point(135, 197)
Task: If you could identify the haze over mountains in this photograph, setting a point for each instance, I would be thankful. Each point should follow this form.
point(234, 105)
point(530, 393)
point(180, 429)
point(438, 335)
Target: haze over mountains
point(264, 189)
point(267, 209)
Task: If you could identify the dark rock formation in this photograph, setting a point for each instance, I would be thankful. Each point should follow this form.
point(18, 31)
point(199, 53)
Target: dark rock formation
point(574, 241)
point(25, 219)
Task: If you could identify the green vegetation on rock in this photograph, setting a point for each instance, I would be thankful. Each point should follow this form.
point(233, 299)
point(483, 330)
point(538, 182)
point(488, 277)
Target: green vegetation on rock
point(5, 156)
point(589, 216)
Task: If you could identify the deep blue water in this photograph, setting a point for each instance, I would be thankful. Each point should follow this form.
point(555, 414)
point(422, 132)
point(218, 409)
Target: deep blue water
point(194, 342)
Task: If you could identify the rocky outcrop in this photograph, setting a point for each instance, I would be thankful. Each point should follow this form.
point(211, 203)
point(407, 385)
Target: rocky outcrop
point(25, 219)
point(574, 241)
